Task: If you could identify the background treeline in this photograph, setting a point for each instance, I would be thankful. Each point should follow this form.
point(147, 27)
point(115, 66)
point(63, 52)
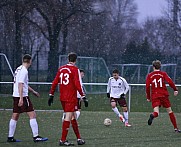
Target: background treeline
point(99, 28)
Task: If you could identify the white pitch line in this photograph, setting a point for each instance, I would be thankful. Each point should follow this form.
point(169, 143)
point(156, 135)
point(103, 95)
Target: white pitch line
point(35, 110)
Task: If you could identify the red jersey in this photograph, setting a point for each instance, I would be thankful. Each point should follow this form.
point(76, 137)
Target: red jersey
point(68, 76)
point(156, 82)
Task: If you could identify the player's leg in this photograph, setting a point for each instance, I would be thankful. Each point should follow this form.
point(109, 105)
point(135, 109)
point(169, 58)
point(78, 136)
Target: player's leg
point(12, 127)
point(79, 108)
point(28, 108)
point(65, 127)
point(63, 116)
point(126, 117)
point(122, 103)
point(74, 123)
point(115, 109)
point(15, 116)
point(153, 115)
point(66, 124)
point(173, 119)
point(34, 127)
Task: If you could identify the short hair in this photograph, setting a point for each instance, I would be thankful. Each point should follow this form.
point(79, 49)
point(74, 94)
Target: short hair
point(116, 71)
point(26, 58)
point(156, 64)
point(81, 70)
point(72, 57)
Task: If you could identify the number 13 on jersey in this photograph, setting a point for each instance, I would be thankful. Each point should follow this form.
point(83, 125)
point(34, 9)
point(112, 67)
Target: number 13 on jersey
point(64, 78)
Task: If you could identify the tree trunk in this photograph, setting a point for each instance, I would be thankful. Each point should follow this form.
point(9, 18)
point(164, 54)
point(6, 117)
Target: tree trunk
point(18, 45)
point(53, 59)
point(64, 43)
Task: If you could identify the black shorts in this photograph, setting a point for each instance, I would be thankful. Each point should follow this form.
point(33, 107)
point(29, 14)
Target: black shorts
point(27, 105)
point(79, 103)
point(120, 101)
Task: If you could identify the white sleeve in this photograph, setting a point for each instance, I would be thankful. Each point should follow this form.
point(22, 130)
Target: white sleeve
point(126, 86)
point(109, 86)
point(22, 76)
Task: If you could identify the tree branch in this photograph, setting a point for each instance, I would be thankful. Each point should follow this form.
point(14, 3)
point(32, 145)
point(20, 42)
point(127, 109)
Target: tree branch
point(39, 27)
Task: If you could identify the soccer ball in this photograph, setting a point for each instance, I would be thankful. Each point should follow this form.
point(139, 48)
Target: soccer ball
point(107, 122)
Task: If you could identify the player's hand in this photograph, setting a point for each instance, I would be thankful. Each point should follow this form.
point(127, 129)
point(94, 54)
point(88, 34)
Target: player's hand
point(148, 100)
point(85, 100)
point(50, 100)
point(20, 102)
point(108, 95)
point(123, 96)
point(36, 93)
point(175, 93)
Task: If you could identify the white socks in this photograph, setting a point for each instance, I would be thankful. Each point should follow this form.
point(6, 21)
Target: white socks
point(34, 127)
point(116, 111)
point(77, 114)
point(125, 116)
point(12, 127)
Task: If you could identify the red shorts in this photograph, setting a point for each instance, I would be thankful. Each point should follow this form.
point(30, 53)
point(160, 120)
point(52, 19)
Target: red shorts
point(120, 101)
point(161, 101)
point(69, 106)
point(27, 105)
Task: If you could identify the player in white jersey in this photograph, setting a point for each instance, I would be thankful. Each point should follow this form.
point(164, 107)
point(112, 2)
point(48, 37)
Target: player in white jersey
point(116, 91)
point(21, 101)
point(79, 99)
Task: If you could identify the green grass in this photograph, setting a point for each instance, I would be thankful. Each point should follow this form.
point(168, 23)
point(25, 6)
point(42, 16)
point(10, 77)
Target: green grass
point(97, 102)
point(94, 132)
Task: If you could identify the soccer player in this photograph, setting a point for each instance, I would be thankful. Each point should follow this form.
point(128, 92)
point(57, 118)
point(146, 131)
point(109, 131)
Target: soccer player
point(79, 104)
point(116, 91)
point(68, 76)
point(22, 102)
point(156, 92)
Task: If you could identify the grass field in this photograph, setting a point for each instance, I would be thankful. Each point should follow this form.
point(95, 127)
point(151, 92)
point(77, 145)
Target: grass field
point(160, 134)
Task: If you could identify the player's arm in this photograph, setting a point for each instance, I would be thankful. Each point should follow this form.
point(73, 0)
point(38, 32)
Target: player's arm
point(108, 88)
point(78, 81)
point(171, 83)
point(126, 86)
point(20, 90)
point(21, 82)
point(33, 91)
point(148, 88)
point(53, 87)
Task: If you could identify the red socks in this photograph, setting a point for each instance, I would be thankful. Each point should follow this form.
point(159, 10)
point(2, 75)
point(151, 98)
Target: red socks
point(75, 128)
point(155, 114)
point(65, 128)
point(173, 120)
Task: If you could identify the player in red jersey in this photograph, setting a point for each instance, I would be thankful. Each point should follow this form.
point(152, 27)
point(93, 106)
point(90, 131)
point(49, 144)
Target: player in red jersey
point(68, 76)
point(157, 93)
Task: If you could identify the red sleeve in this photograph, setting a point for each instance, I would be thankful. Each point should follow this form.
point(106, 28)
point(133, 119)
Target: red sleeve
point(77, 80)
point(170, 82)
point(148, 87)
point(55, 83)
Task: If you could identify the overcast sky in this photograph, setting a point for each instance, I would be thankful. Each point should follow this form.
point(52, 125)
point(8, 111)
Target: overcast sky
point(150, 8)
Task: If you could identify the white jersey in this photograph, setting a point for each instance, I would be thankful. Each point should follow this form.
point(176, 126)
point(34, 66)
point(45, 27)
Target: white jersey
point(20, 76)
point(117, 87)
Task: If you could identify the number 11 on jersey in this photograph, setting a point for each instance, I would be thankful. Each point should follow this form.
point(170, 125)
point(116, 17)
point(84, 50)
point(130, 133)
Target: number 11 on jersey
point(157, 82)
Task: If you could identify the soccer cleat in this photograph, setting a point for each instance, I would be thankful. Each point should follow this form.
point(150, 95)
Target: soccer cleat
point(177, 131)
point(127, 125)
point(11, 139)
point(65, 143)
point(150, 120)
point(80, 141)
point(122, 118)
point(39, 139)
